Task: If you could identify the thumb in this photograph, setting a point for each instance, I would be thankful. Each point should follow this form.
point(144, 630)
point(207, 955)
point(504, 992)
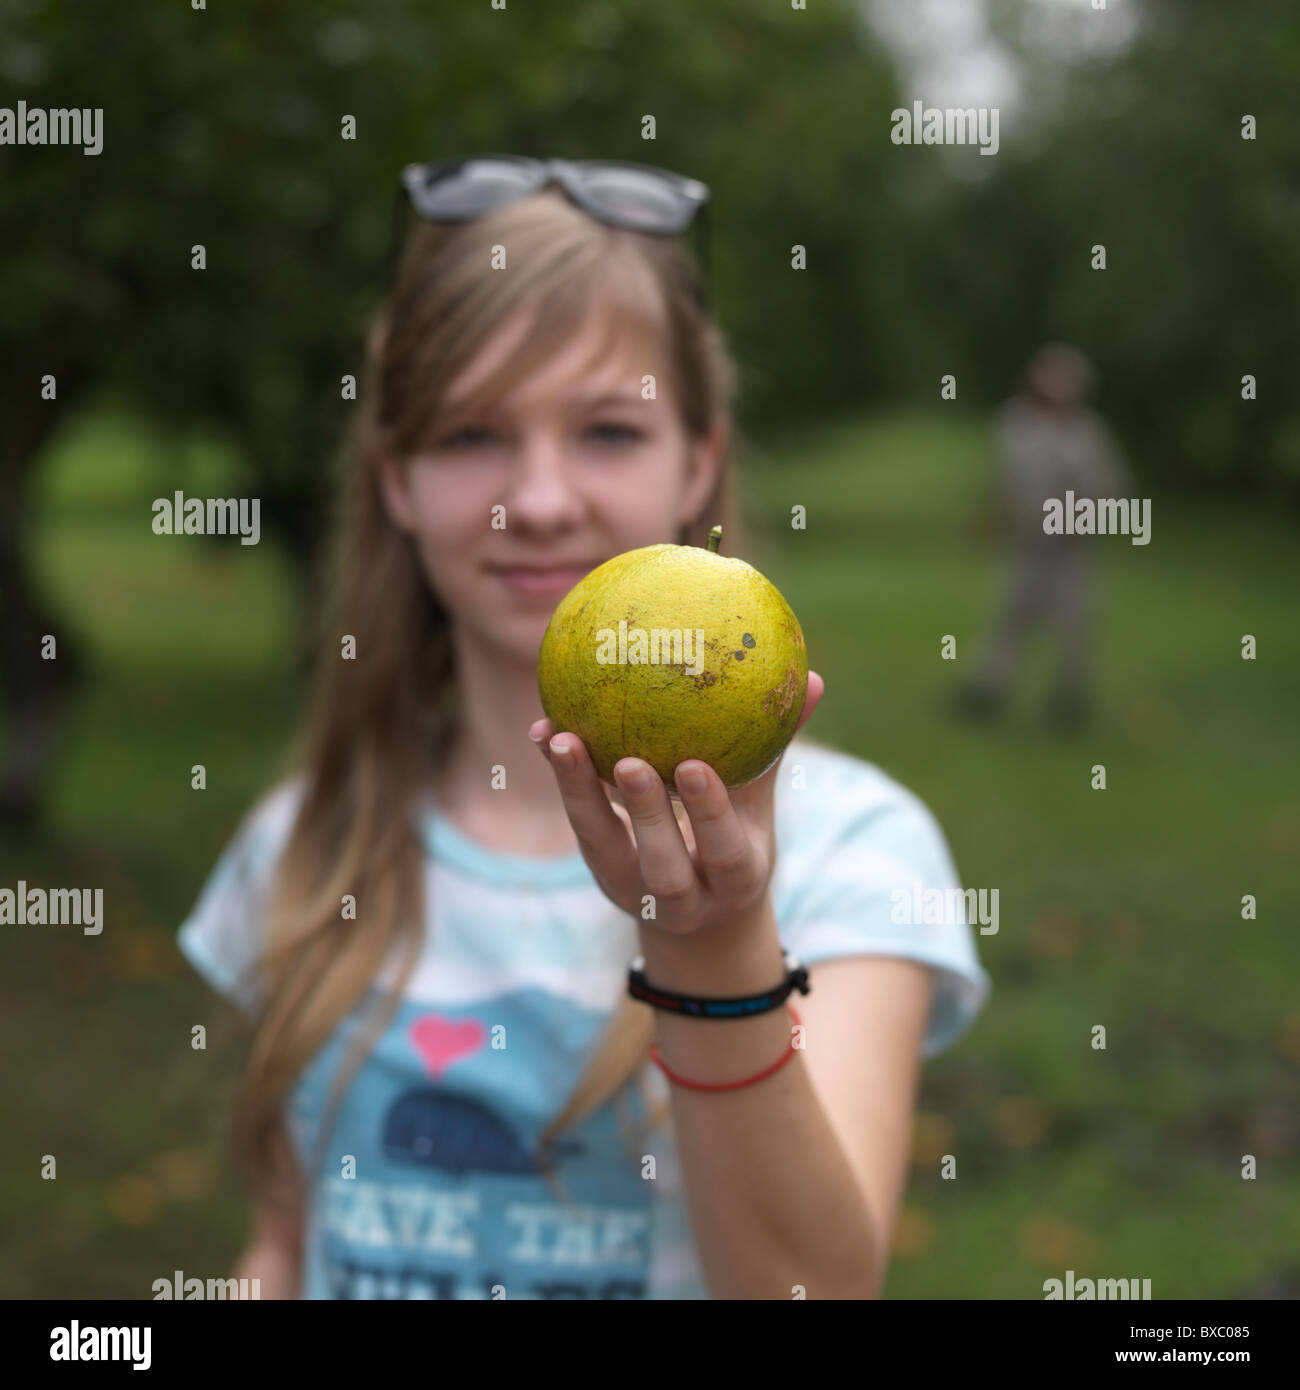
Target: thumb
point(816, 689)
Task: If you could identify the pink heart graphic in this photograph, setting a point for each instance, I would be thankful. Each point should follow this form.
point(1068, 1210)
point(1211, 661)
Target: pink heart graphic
point(441, 1041)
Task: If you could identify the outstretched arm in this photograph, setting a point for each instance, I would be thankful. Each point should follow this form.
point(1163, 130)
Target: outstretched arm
point(792, 1182)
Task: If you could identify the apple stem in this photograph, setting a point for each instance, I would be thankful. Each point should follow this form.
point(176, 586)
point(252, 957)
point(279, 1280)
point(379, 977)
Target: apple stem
point(715, 539)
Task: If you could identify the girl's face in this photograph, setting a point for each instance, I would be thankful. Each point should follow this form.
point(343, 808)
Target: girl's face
point(513, 508)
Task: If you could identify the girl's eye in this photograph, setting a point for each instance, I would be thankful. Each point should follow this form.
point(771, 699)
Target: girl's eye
point(476, 436)
point(468, 438)
point(616, 434)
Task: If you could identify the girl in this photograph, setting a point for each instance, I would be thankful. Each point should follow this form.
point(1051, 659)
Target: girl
point(452, 1091)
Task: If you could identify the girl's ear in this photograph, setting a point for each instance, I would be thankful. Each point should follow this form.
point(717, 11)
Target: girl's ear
point(395, 489)
point(704, 465)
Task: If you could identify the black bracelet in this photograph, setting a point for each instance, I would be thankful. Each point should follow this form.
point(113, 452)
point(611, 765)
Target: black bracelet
point(797, 978)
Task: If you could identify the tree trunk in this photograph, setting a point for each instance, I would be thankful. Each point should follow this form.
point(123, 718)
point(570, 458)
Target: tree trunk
point(33, 689)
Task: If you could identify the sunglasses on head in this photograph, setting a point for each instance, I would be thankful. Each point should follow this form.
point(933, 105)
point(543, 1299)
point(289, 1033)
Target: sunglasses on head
point(636, 196)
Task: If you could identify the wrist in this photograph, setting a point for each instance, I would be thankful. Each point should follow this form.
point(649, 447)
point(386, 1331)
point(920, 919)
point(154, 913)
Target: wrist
point(740, 956)
point(743, 958)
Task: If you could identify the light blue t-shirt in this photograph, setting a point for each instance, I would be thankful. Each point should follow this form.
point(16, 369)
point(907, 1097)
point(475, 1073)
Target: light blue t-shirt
point(523, 962)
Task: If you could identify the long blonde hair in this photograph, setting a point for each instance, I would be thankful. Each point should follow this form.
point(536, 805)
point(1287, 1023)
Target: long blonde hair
point(366, 750)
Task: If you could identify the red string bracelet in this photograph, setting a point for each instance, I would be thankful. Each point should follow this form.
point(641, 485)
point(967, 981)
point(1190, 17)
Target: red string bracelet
point(728, 1085)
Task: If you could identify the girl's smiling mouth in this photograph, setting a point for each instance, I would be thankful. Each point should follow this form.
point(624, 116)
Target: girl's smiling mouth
point(555, 579)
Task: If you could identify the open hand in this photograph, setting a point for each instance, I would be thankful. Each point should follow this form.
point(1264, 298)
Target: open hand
point(704, 860)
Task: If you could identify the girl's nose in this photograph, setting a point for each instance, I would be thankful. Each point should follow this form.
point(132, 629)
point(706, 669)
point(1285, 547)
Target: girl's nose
point(543, 490)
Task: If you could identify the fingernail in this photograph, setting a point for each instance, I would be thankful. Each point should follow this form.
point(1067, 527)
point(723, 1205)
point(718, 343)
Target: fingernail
point(536, 738)
point(563, 753)
point(692, 780)
point(636, 779)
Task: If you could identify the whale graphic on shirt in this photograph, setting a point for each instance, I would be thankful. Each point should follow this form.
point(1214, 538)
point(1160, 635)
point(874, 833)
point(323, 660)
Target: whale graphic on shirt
point(432, 1127)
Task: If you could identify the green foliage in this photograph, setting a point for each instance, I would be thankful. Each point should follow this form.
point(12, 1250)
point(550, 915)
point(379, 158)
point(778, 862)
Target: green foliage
point(1143, 153)
point(222, 127)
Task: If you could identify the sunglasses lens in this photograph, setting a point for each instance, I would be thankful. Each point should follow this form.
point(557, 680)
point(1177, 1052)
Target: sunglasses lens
point(637, 197)
point(477, 187)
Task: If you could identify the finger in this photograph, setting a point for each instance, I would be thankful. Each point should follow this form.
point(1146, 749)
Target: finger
point(602, 837)
point(725, 854)
point(541, 732)
point(665, 864)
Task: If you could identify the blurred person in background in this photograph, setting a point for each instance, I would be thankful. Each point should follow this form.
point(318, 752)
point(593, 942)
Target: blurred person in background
point(1048, 442)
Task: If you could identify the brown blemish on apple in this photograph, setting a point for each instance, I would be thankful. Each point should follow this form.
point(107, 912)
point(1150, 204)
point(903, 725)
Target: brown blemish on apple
point(778, 700)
